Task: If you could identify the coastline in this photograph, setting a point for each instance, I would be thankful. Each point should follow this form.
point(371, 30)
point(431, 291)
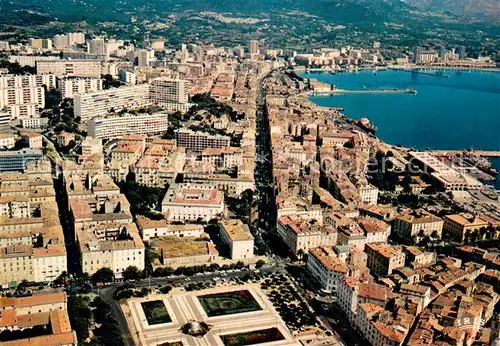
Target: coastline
point(395, 67)
point(398, 134)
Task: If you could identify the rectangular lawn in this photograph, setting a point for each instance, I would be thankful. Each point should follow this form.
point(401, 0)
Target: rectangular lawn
point(156, 312)
point(227, 303)
point(253, 337)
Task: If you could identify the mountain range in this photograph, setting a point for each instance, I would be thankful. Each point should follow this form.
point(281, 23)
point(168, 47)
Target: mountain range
point(480, 9)
point(366, 12)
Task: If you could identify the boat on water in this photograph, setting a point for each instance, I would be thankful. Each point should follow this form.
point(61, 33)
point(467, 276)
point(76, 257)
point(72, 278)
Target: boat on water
point(366, 125)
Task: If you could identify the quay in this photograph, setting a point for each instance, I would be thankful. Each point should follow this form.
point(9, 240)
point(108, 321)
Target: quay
point(480, 153)
point(419, 71)
point(372, 91)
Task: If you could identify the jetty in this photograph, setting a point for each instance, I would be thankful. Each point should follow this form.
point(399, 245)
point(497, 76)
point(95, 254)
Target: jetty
point(366, 91)
point(419, 71)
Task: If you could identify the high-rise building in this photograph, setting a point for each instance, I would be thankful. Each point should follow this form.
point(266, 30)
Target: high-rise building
point(143, 58)
point(61, 41)
point(22, 96)
point(116, 126)
point(41, 43)
point(96, 46)
point(167, 90)
point(69, 68)
point(4, 45)
point(69, 87)
point(461, 52)
point(253, 47)
point(100, 103)
point(127, 77)
point(158, 45)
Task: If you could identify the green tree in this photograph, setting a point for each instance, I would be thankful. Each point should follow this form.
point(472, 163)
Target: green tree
point(132, 273)
point(260, 263)
point(79, 316)
point(103, 275)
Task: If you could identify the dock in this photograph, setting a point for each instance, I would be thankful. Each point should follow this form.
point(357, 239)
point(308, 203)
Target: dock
point(480, 153)
point(418, 71)
point(371, 91)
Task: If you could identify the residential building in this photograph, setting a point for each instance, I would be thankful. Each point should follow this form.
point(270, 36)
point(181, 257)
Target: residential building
point(166, 90)
point(383, 259)
point(193, 203)
point(127, 77)
point(464, 227)
point(41, 43)
point(119, 125)
point(100, 103)
point(91, 146)
point(149, 228)
point(199, 141)
point(69, 68)
point(301, 235)
point(112, 245)
point(32, 139)
point(41, 311)
point(237, 236)
point(418, 222)
point(69, 87)
point(223, 158)
point(7, 140)
point(326, 267)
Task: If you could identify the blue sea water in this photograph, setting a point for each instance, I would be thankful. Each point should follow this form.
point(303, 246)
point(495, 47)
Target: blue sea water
point(459, 112)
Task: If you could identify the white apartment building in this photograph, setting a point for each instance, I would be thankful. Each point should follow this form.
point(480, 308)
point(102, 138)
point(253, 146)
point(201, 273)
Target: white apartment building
point(69, 68)
point(127, 77)
point(418, 223)
point(300, 235)
point(22, 96)
point(91, 146)
point(100, 103)
point(7, 140)
point(326, 267)
point(238, 237)
point(193, 203)
point(96, 46)
point(115, 246)
point(199, 141)
point(4, 45)
point(228, 157)
point(24, 262)
point(69, 39)
point(69, 87)
point(15, 206)
point(166, 90)
point(10, 81)
point(368, 193)
point(31, 60)
point(116, 126)
point(41, 43)
point(149, 228)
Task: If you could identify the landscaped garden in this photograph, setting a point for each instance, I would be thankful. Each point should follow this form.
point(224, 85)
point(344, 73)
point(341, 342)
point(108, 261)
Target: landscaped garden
point(228, 303)
point(156, 312)
point(252, 338)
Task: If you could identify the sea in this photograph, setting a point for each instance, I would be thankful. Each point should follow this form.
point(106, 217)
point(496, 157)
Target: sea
point(453, 109)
